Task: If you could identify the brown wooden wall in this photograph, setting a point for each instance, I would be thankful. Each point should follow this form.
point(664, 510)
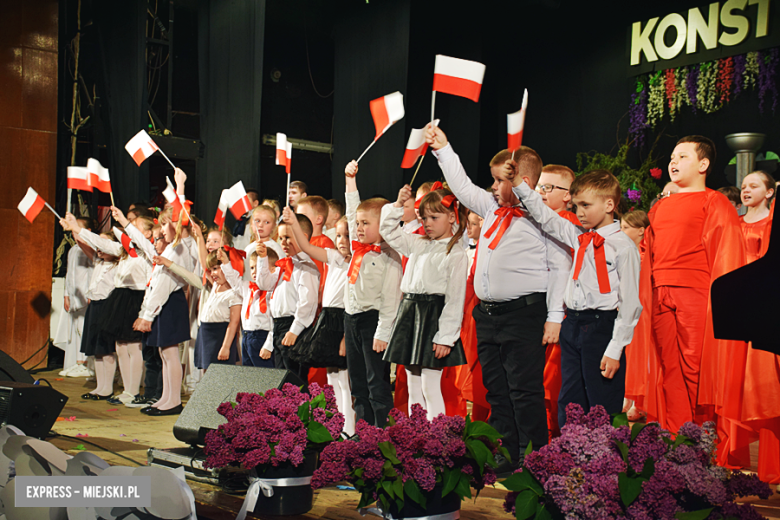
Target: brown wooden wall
point(28, 149)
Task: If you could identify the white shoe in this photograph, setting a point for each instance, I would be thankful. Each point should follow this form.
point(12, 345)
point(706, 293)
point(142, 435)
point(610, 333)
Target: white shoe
point(80, 371)
point(64, 372)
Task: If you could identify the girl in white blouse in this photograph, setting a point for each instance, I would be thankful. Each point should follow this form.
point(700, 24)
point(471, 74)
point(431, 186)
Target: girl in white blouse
point(426, 333)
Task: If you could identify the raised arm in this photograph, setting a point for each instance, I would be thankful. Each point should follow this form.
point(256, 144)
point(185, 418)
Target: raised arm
point(99, 243)
point(140, 241)
point(352, 198)
point(552, 224)
point(390, 224)
point(264, 278)
point(316, 252)
point(188, 276)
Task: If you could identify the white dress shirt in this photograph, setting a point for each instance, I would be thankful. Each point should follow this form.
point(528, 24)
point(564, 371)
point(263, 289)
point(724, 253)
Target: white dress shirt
point(330, 233)
point(257, 320)
point(378, 285)
point(335, 280)
point(164, 282)
point(77, 278)
point(298, 297)
point(430, 270)
point(526, 259)
point(102, 281)
point(217, 307)
point(130, 273)
point(251, 248)
point(623, 262)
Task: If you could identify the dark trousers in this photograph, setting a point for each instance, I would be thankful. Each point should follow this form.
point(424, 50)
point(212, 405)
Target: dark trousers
point(584, 337)
point(251, 344)
point(153, 378)
point(369, 375)
point(511, 353)
point(281, 357)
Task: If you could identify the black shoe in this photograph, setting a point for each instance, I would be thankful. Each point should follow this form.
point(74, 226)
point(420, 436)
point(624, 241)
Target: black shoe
point(139, 402)
point(97, 397)
point(147, 410)
point(156, 412)
point(87, 396)
point(505, 467)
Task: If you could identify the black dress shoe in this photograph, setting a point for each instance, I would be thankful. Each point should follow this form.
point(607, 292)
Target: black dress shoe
point(87, 396)
point(156, 412)
point(147, 410)
point(98, 397)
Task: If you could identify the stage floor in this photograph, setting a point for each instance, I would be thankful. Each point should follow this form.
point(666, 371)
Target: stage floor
point(122, 436)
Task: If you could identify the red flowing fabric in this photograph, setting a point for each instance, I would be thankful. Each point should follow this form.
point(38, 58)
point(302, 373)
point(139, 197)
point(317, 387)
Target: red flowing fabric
point(236, 257)
point(472, 387)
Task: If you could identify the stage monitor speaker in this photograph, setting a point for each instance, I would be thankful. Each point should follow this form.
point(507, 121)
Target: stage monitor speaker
point(10, 370)
point(221, 383)
point(31, 408)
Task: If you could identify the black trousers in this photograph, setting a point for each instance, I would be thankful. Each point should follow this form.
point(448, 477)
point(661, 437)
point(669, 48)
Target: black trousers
point(584, 337)
point(153, 378)
point(511, 353)
point(369, 375)
point(281, 358)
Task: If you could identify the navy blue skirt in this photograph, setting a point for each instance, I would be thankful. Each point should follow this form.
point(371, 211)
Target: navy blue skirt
point(121, 311)
point(172, 325)
point(210, 339)
point(93, 343)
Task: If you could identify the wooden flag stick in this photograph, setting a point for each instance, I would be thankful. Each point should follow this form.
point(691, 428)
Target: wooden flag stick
point(166, 158)
point(52, 210)
point(112, 198)
point(433, 105)
point(288, 189)
point(367, 149)
point(411, 183)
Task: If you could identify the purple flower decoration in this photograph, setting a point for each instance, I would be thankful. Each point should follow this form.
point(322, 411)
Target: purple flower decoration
point(634, 195)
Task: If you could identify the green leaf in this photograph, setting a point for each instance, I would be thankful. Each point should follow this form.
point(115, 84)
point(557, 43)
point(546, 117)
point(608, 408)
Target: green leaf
point(388, 450)
point(623, 450)
point(450, 480)
point(522, 481)
point(388, 487)
point(483, 429)
point(619, 419)
point(399, 502)
point(529, 448)
point(319, 401)
point(542, 513)
point(398, 488)
point(413, 491)
point(303, 412)
point(701, 514)
point(648, 469)
point(481, 453)
point(635, 429)
point(463, 489)
point(526, 504)
point(630, 488)
point(359, 472)
point(317, 433)
point(365, 499)
point(383, 499)
point(680, 439)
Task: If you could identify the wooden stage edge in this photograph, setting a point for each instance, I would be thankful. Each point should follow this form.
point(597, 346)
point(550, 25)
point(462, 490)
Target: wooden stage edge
point(122, 436)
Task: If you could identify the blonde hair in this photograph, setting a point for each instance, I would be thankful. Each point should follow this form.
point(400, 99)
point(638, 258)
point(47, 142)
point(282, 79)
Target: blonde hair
point(374, 205)
point(529, 164)
point(432, 202)
point(317, 203)
point(602, 183)
point(637, 219)
point(274, 205)
point(147, 222)
point(559, 169)
point(212, 260)
point(271, 212)
point(227, 236)
point(167, 216)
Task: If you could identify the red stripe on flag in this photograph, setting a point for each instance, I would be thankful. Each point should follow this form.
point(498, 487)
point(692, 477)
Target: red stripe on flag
point(128, 247)
point(457, 86)
point(281, 156)
point(241, 206)
point(219, 219)
point(35, 209)
point(104, 186)
point(411, 156)
point(79, 184)
point(379, 113)
point(288, 166)
point(514, 141)
point(139, 157)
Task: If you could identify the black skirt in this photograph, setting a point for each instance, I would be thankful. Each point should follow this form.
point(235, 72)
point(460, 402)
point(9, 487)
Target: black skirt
point(209, 342)
point(172, 325)
point(416, 324)
point(318, 345)
point(93, 343)
point(121, 311)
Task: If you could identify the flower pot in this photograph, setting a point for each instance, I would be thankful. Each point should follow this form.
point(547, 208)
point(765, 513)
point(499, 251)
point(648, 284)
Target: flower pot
point(435, 505)
point(287, 497)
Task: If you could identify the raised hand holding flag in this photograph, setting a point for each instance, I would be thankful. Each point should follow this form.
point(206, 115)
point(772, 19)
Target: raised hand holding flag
point(237, 200)
point(514, 126)
point(386, 111)
point(415, 148)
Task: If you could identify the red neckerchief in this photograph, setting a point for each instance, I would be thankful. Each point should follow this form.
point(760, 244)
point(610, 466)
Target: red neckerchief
point(358, 252)
point(253, 287)
point(285, 266)
point(505, 216)
point(598, 253)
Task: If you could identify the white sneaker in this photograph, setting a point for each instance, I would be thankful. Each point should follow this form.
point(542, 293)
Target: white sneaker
point(64, 372)
point(80, 371)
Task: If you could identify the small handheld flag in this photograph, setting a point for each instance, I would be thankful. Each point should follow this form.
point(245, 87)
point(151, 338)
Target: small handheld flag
point(222, 208)
point(458, 77)
point(126, 243)
point(386, 111)
point(32, 204)
point(237, 200)
point(98, 176)
point(288, 163)
point(79, 178)
point(514, 126)
point(281, 149)
point(141, 147)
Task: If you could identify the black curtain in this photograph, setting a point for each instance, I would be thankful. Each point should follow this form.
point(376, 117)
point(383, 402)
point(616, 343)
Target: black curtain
point(230, 69)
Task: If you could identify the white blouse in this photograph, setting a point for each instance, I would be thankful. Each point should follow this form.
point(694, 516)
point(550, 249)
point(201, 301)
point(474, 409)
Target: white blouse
point(335, 280)
point(217, 307)
point(131, 273)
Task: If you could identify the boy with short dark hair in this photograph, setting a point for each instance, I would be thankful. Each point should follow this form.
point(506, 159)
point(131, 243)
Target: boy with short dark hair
point(335, 212)
point(602, 292)
point(734, 195)
point(297, 192)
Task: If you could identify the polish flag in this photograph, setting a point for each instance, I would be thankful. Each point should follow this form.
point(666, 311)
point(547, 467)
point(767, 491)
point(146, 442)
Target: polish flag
point(288, 161)
point(98, 176)
point(78, 178)
point(416, 146)
point(174, 200)
point(126, 243)
point(386, 111)
point(31, 205)
point(281, 149)
point(141, 147)
point(514, 126)
point(458, 77)
point(237, 200)
point(222, 208)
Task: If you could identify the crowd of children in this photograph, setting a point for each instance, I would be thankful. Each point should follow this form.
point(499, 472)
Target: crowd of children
point(502, 297)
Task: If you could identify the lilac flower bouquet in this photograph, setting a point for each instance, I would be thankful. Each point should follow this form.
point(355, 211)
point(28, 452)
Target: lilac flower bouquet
point(599, 470)
point(413, 458)
point(265, 430)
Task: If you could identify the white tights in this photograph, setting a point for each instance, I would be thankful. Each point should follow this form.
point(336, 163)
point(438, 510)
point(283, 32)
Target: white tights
point(131, 365)
point(105, 369)
point(171, 371)
point(425, 389)
point(339, 380)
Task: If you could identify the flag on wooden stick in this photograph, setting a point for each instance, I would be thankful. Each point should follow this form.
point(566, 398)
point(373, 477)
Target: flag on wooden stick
point(386, 111)
point(514, 126)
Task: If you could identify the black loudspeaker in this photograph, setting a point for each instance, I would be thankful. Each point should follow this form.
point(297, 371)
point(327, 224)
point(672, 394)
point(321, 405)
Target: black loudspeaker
point(31, 408)
point(221, 383)
point(10, 370)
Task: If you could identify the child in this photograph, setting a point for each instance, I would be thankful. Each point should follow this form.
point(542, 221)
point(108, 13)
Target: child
point(602, 293)
point(520, 281)
point(758, 190)
point(335, 212)
point(274, 204)
point(316, 209)
point(217, 336)
point(293, 293)
point(71, 323)
point(263, 221)
point(256, 343)
point(297, 192)
point(426, 333)
point(634, 224)
point(694, 237)
point(553, 186)
point(371, 301)
point(322, 345)
point(734, 195)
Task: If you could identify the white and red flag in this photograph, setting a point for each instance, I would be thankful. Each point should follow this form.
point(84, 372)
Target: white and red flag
point(415, 146)
point(458, 77)
point(31, 205)
point(98, 176)
point(288, 162)
point(386, 111)
point(222, 208)
point(237, 200)
point(141, 147)
point(126, 243)
point(281, 149)
point(79, 178)
point(514, 126)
